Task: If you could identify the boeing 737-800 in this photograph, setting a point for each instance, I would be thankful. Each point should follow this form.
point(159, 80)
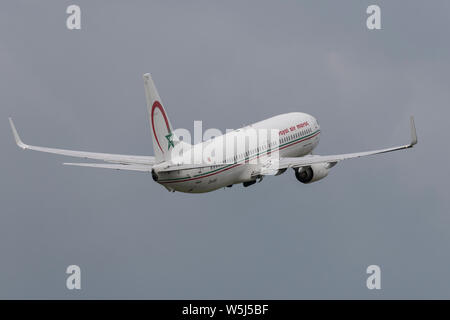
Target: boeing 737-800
point(297, 134)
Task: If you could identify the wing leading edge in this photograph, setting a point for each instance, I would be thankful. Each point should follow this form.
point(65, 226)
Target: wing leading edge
point(107, 157)
point(333, 159)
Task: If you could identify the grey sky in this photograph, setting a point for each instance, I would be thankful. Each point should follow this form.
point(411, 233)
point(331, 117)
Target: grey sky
point(227, 63)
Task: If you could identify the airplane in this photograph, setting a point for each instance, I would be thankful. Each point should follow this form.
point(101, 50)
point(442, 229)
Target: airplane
point(298, 135)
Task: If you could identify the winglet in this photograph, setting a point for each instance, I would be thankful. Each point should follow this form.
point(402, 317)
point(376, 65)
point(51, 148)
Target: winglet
point(16, 135)
point(413, 132)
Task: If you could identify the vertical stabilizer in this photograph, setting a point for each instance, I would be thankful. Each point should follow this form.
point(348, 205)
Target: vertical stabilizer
point(164, 139)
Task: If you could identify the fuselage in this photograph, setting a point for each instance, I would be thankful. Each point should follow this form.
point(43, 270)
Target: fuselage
point(297, 135)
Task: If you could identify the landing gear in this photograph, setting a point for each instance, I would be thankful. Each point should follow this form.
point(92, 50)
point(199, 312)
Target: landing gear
point(248, 183)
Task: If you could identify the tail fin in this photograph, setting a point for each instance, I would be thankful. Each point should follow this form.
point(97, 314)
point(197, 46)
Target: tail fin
point(163, 137)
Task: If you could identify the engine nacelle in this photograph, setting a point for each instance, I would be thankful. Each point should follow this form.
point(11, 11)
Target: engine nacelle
point(154, 175)
point(312, 173)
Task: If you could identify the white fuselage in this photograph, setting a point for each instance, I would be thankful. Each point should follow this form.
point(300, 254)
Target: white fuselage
point(298, 135)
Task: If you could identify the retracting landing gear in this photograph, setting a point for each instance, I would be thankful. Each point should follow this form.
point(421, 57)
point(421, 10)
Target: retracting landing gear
point(248, 183)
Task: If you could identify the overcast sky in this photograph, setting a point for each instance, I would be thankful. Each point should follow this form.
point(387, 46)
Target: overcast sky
point(227, 63)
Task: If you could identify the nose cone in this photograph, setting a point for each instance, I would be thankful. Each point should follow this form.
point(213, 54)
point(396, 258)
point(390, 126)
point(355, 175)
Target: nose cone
point(314, 123)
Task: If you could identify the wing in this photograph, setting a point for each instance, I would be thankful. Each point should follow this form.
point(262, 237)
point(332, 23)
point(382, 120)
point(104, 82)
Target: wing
point(333, 159)
point(107, 157)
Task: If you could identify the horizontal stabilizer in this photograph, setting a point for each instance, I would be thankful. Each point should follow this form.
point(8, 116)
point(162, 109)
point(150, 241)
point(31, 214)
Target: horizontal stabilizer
point(128, 167)
point(165, 167)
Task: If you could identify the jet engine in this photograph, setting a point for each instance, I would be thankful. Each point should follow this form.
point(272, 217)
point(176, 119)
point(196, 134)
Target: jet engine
point(313, 172)
point(154, 175)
